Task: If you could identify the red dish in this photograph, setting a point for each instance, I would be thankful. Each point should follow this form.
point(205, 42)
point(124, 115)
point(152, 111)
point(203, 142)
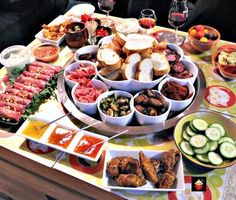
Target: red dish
point(46, 52)
point(61, 137)
point(85, 144)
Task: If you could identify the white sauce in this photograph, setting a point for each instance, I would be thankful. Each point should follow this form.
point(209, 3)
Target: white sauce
point(16, 56)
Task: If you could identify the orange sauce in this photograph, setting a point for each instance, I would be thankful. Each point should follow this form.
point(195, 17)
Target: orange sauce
point(85, 143)
point(61, 137)
point(32, 130)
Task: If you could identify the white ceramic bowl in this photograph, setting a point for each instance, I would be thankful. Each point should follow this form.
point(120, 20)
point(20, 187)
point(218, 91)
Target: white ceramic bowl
point(190, 67)
point(89, 108)
point(91, 49)
point(148, 120)
point(131, 85)
point(81, 8)
point(177, 48)
point(16, 56)
point(74, 66)
point(118, 121)
point(178, 105)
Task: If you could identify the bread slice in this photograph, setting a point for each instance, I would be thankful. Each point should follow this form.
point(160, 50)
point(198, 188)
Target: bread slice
point(105, 71)
point(108, 58)
point(142, 37)
point(136, 46)
point(114, 45)
point(128, 69)
point(120, 38)
point(115, 75)
point(160, 64)
point(144, 71)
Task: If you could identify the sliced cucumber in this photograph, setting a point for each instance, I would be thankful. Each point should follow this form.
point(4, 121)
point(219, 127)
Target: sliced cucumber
point(192, 127)
point(214, 145)
point(198, 141)
point(220, 127)
point(213, 133)
point(203, 158)
point(186, 136)
point(199, 124)
point(186, 148)
point(215, 158)
point(226, 139)
point(189, 131)
point(202, 150)
point(228, 150)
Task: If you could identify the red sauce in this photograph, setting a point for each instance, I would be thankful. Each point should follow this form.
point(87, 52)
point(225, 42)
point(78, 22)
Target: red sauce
point(45, 51)
point(61, 137)
point(85, 143)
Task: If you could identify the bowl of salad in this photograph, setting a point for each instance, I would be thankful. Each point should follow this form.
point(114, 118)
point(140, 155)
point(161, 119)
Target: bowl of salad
point(207, 140)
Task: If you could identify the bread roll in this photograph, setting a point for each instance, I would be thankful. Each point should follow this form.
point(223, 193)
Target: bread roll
point(144, 71)
point(160, 64)
point(120, 38)
point(128, 69)
point(109, 58)
point(136, 46)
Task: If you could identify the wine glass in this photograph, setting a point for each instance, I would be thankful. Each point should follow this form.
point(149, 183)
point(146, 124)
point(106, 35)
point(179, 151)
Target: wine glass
point(91, 26)
point(177, 17)
point(106, 6)
point(147, 18)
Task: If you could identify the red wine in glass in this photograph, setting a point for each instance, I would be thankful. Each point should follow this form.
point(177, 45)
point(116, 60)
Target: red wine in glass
point(106, 8)
point(147, 23)
point(177, 19)
point(106, 5)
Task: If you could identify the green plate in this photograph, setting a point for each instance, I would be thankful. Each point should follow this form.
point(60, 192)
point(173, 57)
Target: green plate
point(210, 118)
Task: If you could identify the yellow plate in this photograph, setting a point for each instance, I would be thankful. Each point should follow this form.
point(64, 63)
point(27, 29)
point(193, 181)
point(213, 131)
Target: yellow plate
point(210, 118)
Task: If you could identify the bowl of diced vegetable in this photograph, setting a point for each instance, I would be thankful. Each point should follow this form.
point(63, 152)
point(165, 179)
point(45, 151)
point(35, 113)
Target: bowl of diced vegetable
point(207, 139)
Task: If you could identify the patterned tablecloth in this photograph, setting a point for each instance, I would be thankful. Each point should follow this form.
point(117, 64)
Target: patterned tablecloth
point(219, 96)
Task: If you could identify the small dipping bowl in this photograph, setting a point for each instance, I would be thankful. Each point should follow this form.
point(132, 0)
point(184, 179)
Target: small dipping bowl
point(13, 57)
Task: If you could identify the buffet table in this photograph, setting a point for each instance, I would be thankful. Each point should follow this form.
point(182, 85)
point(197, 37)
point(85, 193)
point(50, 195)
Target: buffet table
point(27, 173)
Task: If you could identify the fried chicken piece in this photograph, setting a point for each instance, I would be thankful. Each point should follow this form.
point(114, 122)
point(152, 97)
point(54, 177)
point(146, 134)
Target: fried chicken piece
point(167, 179)
point(130, 165)
point(156, 164)
point(113, 166)
point(169, 159)
point(148, 168)
point(130, 180)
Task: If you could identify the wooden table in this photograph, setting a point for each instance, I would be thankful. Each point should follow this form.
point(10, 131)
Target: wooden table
point(24, 175)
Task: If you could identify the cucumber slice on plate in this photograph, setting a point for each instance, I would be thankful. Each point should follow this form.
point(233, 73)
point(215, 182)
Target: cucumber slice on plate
point(213, 133)
point(214, 145)
point(199, 124)
point(198, 141)
point(203, 158)
point(226, 139)
point(215, 158)
point(192, 127)
point(189, 131)
point(186, 136)
point(186, 148)
point(202, 150)
point(220, 127)
point(228, 150)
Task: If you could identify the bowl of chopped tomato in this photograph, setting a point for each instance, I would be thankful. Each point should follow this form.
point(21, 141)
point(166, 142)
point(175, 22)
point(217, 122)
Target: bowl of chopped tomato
point(46, 52)
point(102, 31)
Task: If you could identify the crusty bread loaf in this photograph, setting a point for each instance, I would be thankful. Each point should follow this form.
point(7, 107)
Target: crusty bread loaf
point(128, 69)
point(144, 71)
point(114, 45)
point(108, 58)
point(141, 37)
point(115, 75)
point(136, 46)
point(120, 38)
point(160, 64)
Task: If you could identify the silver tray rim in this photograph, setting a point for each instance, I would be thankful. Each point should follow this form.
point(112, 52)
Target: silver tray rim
point(108, 129)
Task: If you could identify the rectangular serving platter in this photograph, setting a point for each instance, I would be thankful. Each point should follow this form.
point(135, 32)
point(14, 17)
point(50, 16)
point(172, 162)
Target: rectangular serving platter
point(44, 139)
point(110, 183)
point(58, 20)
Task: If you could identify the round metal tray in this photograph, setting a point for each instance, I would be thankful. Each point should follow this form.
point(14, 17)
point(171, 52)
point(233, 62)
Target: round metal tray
point(134, 128)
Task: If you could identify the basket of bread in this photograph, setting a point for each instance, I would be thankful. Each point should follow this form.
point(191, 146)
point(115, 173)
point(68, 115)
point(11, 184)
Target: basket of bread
point(131, 63)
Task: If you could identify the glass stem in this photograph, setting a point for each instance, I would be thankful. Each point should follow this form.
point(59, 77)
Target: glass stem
point(107, 14)
point(176, 35)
